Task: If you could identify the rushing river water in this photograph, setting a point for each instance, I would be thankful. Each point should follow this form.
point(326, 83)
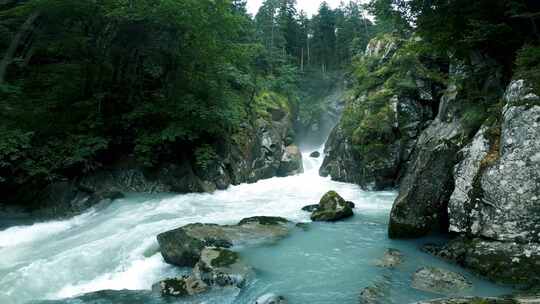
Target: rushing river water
point(114, 247)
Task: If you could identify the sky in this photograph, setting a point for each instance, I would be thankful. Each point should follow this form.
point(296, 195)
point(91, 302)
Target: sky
point(309, 6)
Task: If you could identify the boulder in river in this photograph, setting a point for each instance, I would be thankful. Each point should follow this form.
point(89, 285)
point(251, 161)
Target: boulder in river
point(271, 298)
point(332, 207)
point(183, 246)
point(315, 154)
point(180, 287)
point(221, 267)
point(441, 281)
point(391, 259)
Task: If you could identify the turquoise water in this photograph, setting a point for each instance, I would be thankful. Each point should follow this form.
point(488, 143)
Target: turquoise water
point(113, 247)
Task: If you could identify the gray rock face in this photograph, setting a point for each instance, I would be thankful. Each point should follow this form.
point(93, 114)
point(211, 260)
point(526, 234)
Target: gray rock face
point(506, 187)
point(439, 281)
point(426, 188)
point(271, 298)
point(464, 205)
point(378, 161)
point(339, 160)
point(332, 207)
point(291, 162)
point(497, 196)
point(183, 246)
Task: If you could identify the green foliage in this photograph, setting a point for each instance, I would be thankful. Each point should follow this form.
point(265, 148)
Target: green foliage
point(205, 155)
point(100, 79)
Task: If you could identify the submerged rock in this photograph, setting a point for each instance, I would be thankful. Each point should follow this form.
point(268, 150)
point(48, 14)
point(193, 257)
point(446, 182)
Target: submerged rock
point(490, 300)
point(271, 298)
point(315, 154)
point(377, 293)
point(439, 281)
point(503, 262)
point(391, 259)
point(183, 246)
point(332, 207)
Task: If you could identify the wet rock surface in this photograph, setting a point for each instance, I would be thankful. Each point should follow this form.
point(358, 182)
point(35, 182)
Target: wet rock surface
point(439, 281)
point(271, 299)
point(426, 188)
point(332, 207)
point(503, 262)
point(391, 259)
point(183, 246)
point(315, 154)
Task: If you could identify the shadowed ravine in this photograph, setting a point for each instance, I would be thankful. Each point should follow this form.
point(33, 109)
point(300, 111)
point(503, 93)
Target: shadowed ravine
point(114, 247)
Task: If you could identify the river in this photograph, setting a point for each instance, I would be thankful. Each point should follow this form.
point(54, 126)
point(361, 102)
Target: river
point(114, 247)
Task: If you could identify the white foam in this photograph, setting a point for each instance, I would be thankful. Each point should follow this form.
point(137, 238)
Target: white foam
point(25, 234)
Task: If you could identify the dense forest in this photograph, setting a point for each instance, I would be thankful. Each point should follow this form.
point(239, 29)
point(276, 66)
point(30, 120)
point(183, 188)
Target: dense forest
point(86, 83)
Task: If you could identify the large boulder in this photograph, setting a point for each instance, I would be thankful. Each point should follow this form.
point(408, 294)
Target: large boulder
point(183, 246)
point(332, 207)
point(497, 195)
point(439, 281)
point(425, 190)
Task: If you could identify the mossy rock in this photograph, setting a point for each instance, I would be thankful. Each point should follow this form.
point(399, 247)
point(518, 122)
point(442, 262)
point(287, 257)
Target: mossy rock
point(225, 258)
point(332, 207)
point(263, 220)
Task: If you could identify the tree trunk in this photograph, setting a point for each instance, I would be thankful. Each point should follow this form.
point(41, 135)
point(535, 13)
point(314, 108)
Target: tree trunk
point(12, 49)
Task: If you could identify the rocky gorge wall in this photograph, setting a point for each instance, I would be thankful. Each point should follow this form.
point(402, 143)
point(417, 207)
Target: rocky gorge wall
point(465, 156)
point(262, 149)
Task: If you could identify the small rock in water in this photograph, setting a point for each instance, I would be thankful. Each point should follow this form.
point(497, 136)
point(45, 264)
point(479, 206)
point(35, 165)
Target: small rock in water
point(315, 154)
point(310, 208)
point(439, 281)
point(180, 287)
point(391, 259)
point(271, 298)
point(377, 293)
point(332, 207)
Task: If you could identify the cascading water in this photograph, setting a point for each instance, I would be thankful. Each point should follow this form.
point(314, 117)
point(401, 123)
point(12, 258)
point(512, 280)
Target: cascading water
point(114, 247)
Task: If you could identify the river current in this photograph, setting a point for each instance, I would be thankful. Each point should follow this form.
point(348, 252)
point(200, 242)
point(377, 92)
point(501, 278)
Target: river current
point(114, 248)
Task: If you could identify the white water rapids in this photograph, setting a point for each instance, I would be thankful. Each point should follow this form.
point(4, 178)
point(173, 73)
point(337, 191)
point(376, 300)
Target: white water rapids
point(114, 247)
